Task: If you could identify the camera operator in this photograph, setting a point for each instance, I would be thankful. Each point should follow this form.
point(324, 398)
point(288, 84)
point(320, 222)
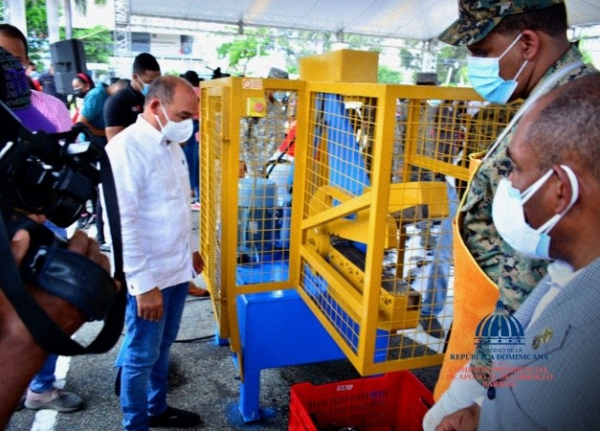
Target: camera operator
point(41, 393)
point(23, 349)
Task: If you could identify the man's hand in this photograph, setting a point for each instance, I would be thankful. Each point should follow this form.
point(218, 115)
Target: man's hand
point(197, 262)
point(150, 305)
point(463, 420)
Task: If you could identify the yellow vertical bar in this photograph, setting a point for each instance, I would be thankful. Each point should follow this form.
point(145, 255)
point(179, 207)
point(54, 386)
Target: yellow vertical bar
point(212, 95)
point(230, 208)
point(225, 140)
point(300, 156)
point(380, 179)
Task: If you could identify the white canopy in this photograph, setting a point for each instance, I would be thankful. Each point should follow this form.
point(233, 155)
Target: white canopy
point(406, 19)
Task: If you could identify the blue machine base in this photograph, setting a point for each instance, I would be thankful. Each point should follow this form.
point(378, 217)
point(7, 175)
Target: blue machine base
point(277, 329)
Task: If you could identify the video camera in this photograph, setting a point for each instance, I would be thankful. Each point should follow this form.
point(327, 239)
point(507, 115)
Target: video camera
point(46, 174)
point(55, 175)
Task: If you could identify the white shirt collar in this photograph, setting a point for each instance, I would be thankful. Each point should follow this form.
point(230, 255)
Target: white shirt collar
point(150, 132)
point(561, 273)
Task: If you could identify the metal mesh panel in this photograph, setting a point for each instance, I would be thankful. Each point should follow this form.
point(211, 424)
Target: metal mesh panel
point(385, 168)
point(267, 144)
point(211, 179)
point(248, 141)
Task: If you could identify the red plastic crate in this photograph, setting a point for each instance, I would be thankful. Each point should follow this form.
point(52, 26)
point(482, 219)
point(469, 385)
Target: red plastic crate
point(393, 402)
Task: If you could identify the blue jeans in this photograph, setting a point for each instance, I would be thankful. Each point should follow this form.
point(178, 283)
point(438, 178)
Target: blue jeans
point(44, 379)
point(144, 358)
point(436, 290)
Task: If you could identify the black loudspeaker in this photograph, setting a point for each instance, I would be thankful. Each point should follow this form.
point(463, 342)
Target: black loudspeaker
point(68, 58)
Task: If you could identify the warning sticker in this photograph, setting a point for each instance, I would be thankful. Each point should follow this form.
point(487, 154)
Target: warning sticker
point(252, 84)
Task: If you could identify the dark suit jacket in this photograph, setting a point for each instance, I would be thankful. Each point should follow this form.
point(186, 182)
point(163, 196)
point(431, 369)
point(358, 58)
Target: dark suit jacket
point(563, 345)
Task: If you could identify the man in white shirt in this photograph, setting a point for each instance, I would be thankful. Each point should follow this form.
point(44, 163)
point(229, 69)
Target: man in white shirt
point(548, 208)
point(160, 257)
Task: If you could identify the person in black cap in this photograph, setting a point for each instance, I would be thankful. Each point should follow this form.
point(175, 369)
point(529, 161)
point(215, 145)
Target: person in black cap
point(192, 77)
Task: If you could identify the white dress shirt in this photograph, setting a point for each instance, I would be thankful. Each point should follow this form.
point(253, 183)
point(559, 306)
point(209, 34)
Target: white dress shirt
point(153, 191)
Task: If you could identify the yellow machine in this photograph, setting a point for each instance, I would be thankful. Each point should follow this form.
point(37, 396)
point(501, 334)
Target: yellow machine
point(373, 167)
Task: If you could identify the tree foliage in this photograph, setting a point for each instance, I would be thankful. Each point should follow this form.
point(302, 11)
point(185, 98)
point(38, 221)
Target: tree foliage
point(293, 44)
point(387, 75)
point(81, 5)
point(37, 28)
point(450, 63)
point(98, 43)
point(246, 46)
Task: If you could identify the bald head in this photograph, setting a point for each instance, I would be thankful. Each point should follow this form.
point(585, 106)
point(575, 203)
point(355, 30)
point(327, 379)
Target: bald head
point(561, 135)
point(164, 88)
point(565, 126)
point(170, 98)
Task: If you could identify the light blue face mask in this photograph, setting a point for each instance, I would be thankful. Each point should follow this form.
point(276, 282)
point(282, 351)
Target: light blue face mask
point(484, 75)
point(145, 87)
point(509, 216)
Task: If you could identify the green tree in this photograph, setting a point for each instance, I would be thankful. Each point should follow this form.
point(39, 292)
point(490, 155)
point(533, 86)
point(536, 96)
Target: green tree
point(37, 27)
point(409, 59)
point(450, 63)
point(386, 75)
point(239, 51)
point(97, 42)
point(82, 4)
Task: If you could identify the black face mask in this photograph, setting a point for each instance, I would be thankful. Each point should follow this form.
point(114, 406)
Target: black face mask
point(79, 93)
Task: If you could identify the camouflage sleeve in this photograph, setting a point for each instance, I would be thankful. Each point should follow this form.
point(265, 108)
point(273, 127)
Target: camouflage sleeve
point(514, 274)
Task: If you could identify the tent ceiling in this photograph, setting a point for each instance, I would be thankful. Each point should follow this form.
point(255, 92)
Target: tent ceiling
point(407, 19)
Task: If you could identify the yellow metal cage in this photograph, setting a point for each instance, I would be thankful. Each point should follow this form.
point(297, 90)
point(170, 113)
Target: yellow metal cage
point(377, 174)
point(245, 191)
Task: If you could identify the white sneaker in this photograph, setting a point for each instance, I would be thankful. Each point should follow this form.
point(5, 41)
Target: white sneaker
point(56, 399)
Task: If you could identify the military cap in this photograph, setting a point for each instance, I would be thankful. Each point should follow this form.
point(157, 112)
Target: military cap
point(477, 18)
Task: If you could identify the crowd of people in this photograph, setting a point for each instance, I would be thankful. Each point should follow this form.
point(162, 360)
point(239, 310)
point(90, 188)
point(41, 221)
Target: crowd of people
point(526, 229)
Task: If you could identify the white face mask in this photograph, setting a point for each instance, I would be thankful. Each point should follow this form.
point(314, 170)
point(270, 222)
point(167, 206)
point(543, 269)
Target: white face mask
point(176, 131)
point(509, 217)
point(484, 75)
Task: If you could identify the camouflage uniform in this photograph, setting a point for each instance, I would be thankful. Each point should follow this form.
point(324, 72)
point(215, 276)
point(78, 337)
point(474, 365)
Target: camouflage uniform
point(515, 274)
